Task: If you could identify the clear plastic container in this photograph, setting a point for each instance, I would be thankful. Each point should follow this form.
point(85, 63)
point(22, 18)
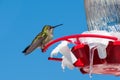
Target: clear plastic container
point(103, 15)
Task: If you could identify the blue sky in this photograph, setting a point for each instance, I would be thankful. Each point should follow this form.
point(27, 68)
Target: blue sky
point(21, 21)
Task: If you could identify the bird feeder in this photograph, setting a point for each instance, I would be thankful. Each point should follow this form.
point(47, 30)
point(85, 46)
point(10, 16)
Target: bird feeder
point(88, 58)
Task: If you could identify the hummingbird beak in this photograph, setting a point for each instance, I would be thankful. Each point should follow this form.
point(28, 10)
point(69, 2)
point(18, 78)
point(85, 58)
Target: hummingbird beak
point(57, 25)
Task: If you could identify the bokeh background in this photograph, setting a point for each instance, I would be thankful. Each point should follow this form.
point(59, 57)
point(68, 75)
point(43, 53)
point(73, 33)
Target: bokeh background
point(21, 21)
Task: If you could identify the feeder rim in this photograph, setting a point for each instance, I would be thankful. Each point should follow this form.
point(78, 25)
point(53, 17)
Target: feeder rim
point(77, 36)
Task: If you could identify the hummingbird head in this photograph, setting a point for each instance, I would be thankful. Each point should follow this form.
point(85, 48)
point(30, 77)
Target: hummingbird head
point(49, 29)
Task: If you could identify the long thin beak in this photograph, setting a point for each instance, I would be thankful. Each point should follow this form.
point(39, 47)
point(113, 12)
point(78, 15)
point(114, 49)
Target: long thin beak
point(57, 25)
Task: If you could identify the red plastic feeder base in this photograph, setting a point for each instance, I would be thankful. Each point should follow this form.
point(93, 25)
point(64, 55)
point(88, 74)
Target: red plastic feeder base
point(109, 65)
point(113, 69)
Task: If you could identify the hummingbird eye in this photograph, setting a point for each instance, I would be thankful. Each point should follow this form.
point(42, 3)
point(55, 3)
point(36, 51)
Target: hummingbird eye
point(50, 28)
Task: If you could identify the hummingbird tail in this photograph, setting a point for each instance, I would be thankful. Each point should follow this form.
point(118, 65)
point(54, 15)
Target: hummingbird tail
point(25, 51)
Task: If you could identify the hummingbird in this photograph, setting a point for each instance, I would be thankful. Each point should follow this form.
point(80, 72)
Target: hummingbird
point(45, 36)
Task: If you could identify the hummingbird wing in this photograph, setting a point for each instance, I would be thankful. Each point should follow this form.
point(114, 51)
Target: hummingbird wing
point(35, 43)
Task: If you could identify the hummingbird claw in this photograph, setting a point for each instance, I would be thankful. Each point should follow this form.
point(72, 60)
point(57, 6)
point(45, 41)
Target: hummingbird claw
point(43, 50)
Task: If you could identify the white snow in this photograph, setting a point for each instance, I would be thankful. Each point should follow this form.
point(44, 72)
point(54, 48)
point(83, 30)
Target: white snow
point(66, 63)
point(68, 57)
point(100, 43)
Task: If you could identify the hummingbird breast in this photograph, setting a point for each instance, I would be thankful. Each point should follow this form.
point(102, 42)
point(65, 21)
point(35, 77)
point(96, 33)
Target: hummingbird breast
point(48, 39)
